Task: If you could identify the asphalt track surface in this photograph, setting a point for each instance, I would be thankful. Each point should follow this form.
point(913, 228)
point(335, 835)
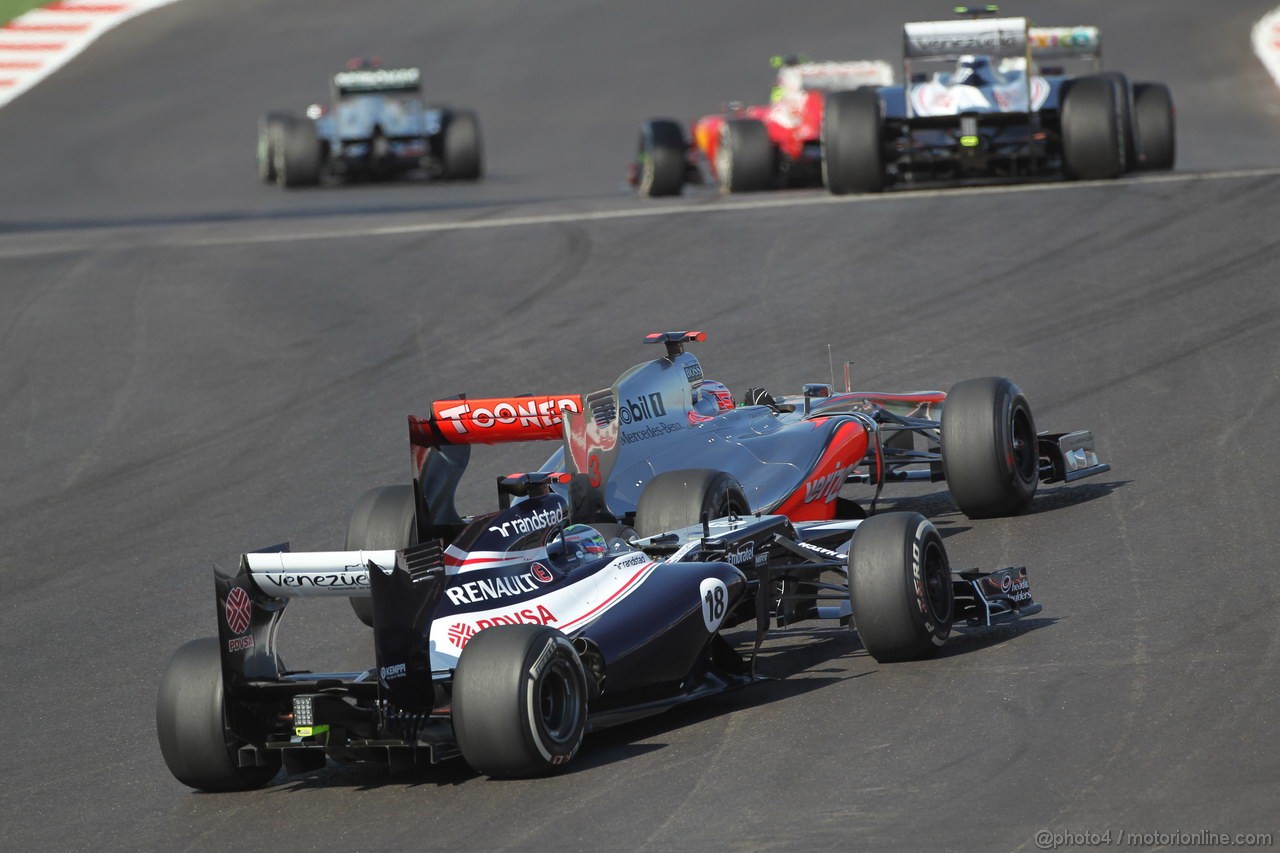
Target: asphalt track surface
point(193, 364)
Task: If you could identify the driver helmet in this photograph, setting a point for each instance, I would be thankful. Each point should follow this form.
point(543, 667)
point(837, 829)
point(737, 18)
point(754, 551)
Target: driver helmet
point(577, 544)
point(974, 71)
point(713, 398)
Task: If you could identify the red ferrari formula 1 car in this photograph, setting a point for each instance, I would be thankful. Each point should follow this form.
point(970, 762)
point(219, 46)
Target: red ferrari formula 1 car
point(752, 148)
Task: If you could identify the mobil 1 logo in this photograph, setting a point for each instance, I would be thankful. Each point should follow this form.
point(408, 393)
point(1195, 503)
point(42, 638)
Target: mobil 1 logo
point(641, 408)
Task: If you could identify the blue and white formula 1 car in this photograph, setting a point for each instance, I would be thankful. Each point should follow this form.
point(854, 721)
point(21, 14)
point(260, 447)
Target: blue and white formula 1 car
point(520, 631)
point(375, 127)
point(995, 112)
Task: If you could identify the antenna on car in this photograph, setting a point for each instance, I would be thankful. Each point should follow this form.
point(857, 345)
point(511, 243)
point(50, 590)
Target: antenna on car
point(832, 366)
point(675, 341)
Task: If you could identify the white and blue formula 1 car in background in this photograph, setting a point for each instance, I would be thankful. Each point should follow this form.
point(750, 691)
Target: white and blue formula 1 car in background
point(376, 127)
point(978, 102)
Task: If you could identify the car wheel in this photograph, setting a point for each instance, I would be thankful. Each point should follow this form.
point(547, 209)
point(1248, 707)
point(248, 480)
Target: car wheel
point(1093, 144)
point(852, 142)
point(663, 160)
point(192, 728)
point(297, 153)
point(462, 150)
point(1153, 109)
point(269, 130)
point(990, 456)
point(383, 519)
point(519, 701)
point(679, 499)
point(744, 160)
point(900, 587)
point(1125, 106)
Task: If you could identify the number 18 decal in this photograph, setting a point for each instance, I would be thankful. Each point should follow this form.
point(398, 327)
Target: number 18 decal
point(715, 602)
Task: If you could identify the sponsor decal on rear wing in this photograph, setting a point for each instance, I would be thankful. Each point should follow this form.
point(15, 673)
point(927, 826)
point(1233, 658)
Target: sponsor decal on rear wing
point(1065, 42)
point(493, 420)
point(377, 80)
point(950, 39)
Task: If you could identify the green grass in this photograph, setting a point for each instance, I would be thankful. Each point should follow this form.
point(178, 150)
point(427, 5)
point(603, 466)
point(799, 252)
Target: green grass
point(10, 9)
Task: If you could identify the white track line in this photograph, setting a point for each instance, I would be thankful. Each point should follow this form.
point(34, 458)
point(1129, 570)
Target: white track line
point(125, 237)
point(726, 206)
point(38, 43)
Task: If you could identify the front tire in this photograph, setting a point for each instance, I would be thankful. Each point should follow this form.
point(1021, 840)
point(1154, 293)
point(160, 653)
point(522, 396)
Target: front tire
point(852, 142)
point(383, 520)
point(900, 587)
point(744, 160)
point(270, 131)
point(191, 724)
point(679, 499)
point(663, 162)
point(990, 455)
point(462, 150)
point(519, 701)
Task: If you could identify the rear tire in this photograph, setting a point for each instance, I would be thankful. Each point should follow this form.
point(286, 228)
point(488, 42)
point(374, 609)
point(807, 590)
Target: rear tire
point(678, 499)
point(297, 153)
point(1092, 141)
point(191, 724)
point(383, 519)
point(900, 587)
point(1128, 129)
point(663, 160)
point(990, 455)
point(462, 150)
point(852, 142)
point(519, 701)
point(1154, 114)
point(744, 161)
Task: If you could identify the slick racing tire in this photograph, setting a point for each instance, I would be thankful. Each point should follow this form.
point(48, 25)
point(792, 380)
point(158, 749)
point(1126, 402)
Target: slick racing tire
point(679, 499)
point(383, 519)
point(852, 142)
point(744, 160)
point(519, 701)
point(270, 130)
point(1093, 144)
point(990, 455)
point(462, 151)
point(662, 158)
point(191, 724)
point(900, 587)
point(297, 153)
point(1128, 129)
point(1153, 111)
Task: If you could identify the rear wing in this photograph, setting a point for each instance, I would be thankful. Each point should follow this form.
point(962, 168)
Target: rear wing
point(377, 80)
point(996, 37)
point(835, 76)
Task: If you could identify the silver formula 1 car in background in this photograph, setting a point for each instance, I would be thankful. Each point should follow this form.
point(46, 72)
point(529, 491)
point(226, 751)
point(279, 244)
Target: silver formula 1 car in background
point(375, 127)
point(976, 104)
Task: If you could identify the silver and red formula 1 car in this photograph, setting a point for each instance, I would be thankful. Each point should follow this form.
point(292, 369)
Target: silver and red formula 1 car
point(589, 598)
